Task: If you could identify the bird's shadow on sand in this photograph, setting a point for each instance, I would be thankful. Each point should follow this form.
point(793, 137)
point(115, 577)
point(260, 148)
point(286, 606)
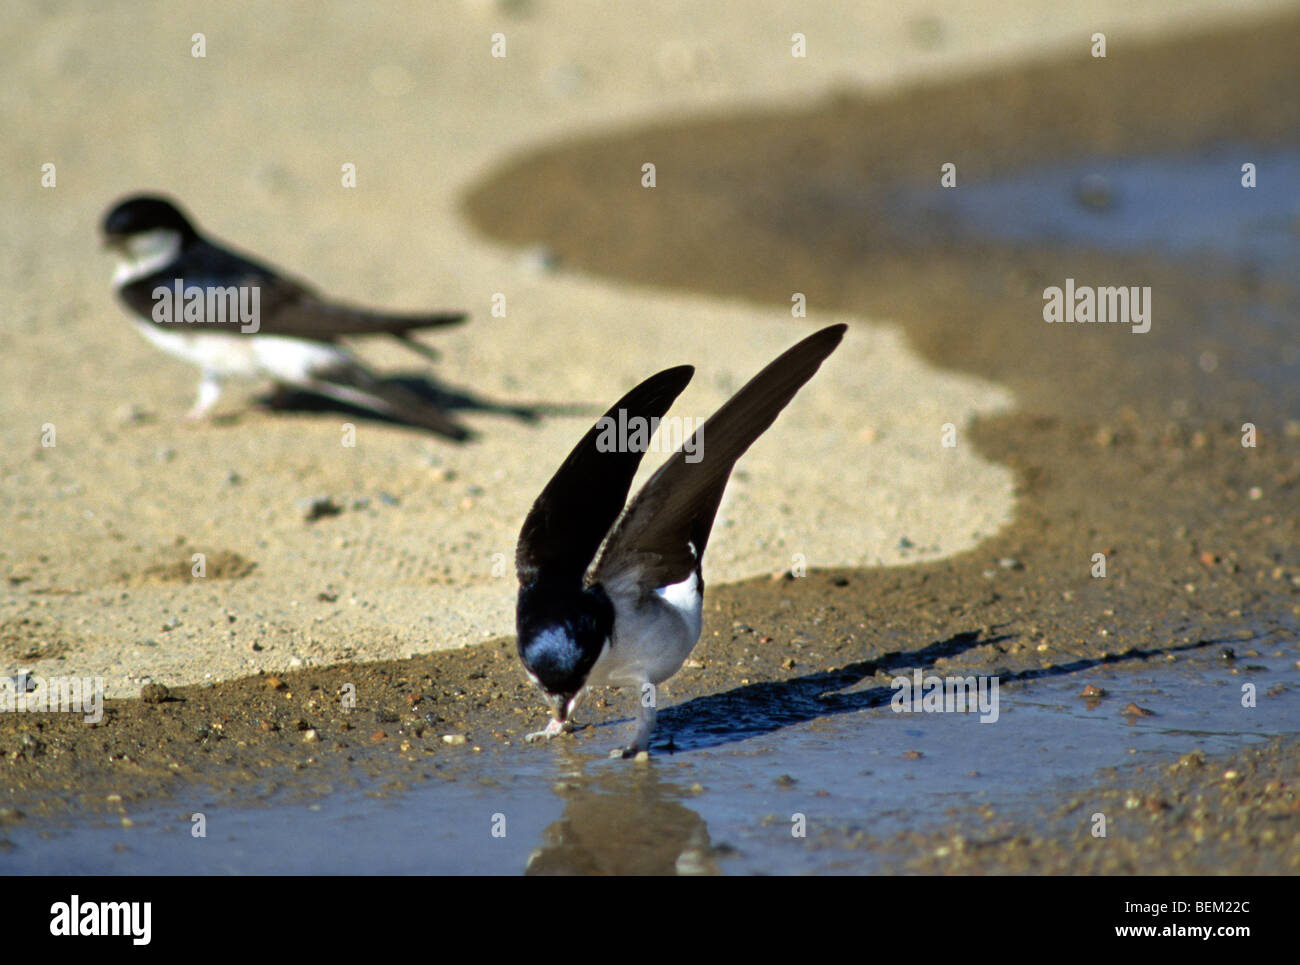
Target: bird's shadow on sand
point(438, 394)
point(762, 708)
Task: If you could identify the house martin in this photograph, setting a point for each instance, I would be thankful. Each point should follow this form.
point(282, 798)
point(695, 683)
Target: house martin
point(613, 596)
point(235, 317)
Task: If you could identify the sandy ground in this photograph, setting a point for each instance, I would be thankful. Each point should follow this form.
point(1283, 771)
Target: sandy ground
point(101, 528)
point(103, 525)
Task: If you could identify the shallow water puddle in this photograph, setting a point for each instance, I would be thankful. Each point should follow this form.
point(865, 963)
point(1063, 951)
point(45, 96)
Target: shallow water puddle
point(1180, 205)
point(1195, 208)
point(719, 803)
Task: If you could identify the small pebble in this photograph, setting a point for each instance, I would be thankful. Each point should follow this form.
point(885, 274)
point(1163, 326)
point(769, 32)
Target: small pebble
point(132, 414)
point(540, 259)
point(154, 694)
point(1095, 192)
point(318, 507)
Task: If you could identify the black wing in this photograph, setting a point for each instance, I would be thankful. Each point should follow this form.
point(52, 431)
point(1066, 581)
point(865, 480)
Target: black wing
point(285, 305)
point(662, 536)
point(570, 518)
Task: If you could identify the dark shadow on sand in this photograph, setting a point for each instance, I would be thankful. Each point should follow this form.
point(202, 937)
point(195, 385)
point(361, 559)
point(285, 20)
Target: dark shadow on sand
point(762, 708)
point(435, 393)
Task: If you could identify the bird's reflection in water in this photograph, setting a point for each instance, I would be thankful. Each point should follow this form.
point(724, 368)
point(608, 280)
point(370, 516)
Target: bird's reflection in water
point(625, 821)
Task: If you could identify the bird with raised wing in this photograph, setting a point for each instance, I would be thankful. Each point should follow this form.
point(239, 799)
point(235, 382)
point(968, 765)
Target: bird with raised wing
point(630, 616)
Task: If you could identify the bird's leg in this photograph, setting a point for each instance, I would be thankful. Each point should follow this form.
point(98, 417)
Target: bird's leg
point(209, 392)
point(645, 722)
point(574, 704)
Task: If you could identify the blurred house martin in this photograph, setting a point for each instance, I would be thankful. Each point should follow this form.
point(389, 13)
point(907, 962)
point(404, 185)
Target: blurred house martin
point(235, 317)
point(631, 616)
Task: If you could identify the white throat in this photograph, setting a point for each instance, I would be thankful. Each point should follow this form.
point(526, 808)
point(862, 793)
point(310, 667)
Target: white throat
point(146, 253)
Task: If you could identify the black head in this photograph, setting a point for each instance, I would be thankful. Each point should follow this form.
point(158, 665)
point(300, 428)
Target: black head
point(561, 632)
point(145, 212)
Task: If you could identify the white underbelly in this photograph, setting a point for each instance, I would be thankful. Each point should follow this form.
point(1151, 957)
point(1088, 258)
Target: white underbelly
point(275, 357)
point(652, 641)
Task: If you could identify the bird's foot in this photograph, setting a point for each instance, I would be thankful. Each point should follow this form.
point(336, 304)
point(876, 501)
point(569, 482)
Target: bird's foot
point(629, 752)
point(640, 745)
point(554, 728)
point(641, 739)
